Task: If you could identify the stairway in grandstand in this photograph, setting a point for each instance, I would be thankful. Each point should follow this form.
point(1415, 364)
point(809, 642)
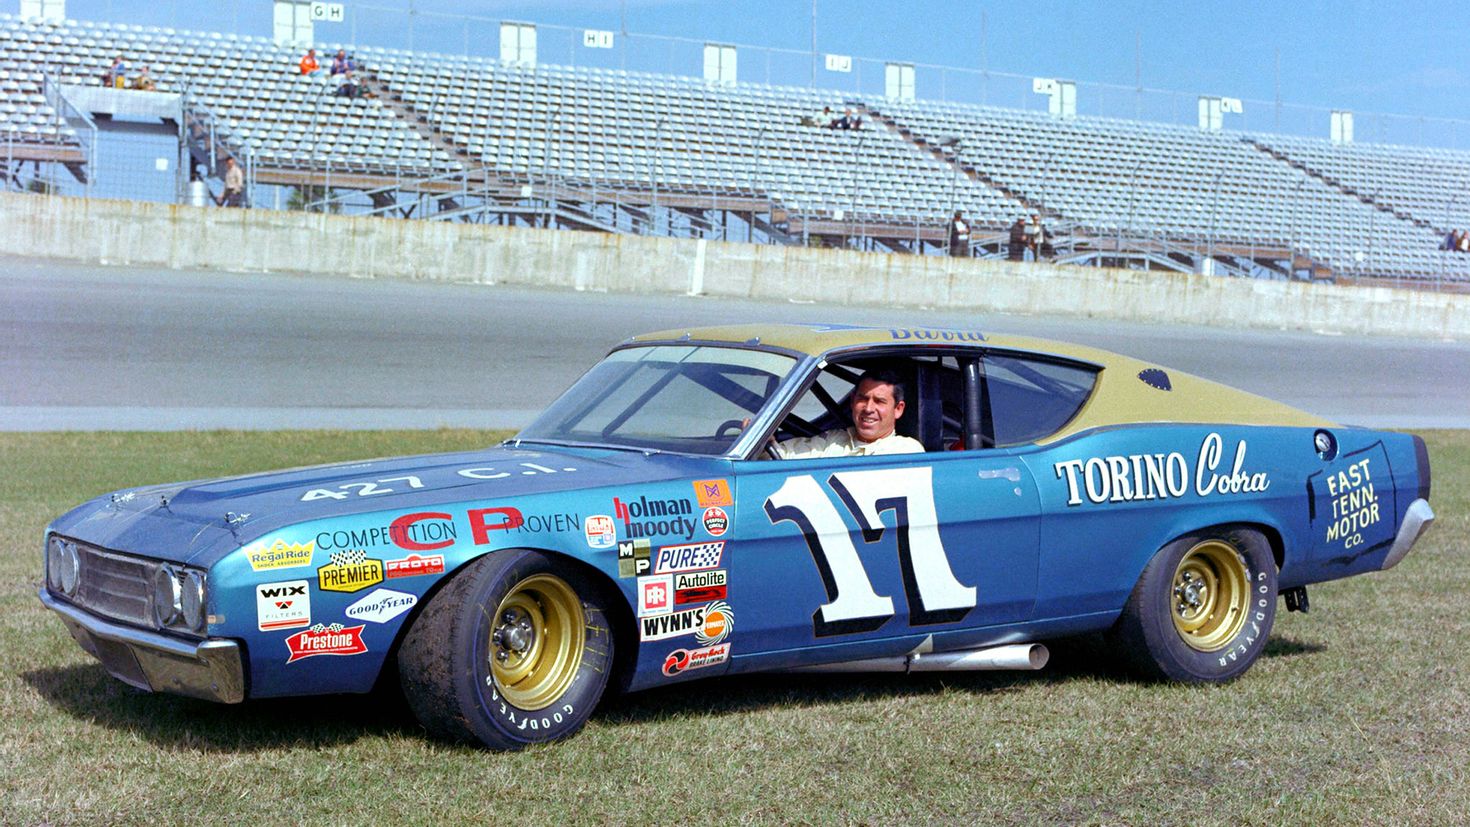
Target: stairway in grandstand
point(453, 137)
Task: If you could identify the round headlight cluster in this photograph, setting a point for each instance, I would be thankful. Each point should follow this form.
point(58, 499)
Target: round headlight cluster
point(192, 601)
point(167, 596)
point(63, 565)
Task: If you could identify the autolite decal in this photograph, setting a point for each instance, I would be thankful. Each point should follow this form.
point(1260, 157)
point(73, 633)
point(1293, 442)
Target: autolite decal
point(1137, 477)
point(349, 571)
point(280, 555)
point(326, 640)
point(681, 660)
point(699, 587)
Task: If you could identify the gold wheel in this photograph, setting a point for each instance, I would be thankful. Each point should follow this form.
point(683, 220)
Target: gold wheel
point(1210, 595)
point(537, 640)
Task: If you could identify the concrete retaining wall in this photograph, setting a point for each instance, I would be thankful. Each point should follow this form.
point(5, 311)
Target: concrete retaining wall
point(161, 235)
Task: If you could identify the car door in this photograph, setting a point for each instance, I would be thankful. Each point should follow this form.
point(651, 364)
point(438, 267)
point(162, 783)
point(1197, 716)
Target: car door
point(863, 556)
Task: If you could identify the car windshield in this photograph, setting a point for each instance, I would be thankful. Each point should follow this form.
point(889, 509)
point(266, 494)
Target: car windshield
point(686, 398)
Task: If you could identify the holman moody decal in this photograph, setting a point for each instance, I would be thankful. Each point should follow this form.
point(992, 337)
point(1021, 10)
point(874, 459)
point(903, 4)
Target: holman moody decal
point(1135, 477)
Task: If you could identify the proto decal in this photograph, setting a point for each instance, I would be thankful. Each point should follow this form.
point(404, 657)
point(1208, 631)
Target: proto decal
point(633, 558)
point(699, 587)
point(689, 557)
point(719, 622)
point(1138, 477)
point(280, 555)
point(656, 518)
point(282, 606)
point(349, 571)
point(326, 640)
point(712, 492)
point(682, 660)
point(601, 531)
point(934, 594)
point(655, 595)
point(382, 605)
point(414, 565)
point(715, 521)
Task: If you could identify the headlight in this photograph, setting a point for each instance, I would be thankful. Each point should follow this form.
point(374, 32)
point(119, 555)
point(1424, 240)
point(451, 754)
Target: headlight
point(63, 565)
point(193, 601)
point(168, 596)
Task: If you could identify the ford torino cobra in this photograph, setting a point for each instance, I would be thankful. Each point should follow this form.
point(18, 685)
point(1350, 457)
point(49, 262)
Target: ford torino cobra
point(643, 531)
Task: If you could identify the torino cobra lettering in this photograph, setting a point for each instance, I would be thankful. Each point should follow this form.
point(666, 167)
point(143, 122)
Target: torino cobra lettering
point(1138, 477)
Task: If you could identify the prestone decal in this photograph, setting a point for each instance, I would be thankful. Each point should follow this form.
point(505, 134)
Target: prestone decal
point(1137, 477)
point(326, 640)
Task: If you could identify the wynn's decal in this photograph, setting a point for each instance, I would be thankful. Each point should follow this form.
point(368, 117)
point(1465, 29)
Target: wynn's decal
point(1138, 477)
point(934, 594)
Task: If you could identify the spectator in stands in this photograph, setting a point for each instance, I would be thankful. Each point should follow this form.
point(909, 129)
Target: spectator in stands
point(234, 192)
point(1016, 248)
point(1035, 237)
point(1463, 243)
point(348, 87)
point(822, 118)
point(116, 75)
point(959, 236)
point(342, 64)
point(144, 82)
point(309, 65)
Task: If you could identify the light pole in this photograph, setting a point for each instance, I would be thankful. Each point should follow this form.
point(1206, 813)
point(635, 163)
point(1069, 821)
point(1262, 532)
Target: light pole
point(857, 180)
point(1214, 210)
point(756, 186)
point(656, 160)
point(1296, 195)
point(954, 144)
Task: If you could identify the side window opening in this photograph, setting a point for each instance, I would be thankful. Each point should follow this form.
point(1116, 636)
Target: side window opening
point(1032, 398)
point(933, 400)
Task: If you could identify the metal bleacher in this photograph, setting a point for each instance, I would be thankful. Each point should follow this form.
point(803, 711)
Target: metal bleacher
point(1112, 191)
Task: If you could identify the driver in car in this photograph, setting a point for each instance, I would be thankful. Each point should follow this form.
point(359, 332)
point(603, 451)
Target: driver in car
point(877, 403)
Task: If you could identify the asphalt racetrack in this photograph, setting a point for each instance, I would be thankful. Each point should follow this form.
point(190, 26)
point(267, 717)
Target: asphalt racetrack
point(111, 348)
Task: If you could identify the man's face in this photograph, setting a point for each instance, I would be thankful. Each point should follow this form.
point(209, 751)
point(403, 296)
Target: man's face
point(874, 410)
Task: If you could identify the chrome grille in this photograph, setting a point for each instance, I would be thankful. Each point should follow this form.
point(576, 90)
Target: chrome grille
point(115, 585)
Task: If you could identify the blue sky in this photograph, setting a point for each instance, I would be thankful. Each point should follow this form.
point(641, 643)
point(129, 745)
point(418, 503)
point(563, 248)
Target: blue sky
point(1403, 57)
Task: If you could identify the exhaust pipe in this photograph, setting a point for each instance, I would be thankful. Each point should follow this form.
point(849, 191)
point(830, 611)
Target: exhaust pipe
point(1018, 656)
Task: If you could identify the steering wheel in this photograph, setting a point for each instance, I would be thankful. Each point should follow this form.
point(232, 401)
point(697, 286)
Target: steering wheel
point(737, 424)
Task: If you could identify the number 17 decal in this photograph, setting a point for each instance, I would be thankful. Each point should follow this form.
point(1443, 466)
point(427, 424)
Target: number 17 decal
point(934, 595)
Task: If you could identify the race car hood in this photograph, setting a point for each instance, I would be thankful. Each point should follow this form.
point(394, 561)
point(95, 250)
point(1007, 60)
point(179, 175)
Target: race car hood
point(198, 522)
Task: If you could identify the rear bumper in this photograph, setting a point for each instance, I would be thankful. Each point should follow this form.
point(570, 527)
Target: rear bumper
point(209, 669)
point(1416, 520)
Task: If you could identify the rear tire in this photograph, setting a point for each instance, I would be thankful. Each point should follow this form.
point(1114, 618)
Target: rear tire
point(1202, 609)
point(515, 650)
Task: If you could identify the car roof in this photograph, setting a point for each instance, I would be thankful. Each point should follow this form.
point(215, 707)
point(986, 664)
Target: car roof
point(1128, 390)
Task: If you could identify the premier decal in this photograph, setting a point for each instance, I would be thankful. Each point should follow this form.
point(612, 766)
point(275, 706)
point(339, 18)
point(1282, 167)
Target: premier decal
point(1354, 504)
point(282, 606)
point(719, 622)
point(672, 624)
point(414, 565)
point(279, 555)
point(699, 587)
point(655, 595)
point(716, 522)
point(671, 517)
point(712, 492)
point(600, 530)
point(349, 571)
point(681, 660)
point(382, 605)
point(1139, 477)
point(689, 557)
point(325, 640)
point(633, 558)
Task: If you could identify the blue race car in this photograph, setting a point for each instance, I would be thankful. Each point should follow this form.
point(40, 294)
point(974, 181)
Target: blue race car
point(645, 530)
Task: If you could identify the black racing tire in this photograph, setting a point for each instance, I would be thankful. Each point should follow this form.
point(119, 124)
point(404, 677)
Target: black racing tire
point(1202, 609)
point(515, 650)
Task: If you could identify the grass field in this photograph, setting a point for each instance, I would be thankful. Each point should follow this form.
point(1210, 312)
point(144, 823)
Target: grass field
point(1358, 713)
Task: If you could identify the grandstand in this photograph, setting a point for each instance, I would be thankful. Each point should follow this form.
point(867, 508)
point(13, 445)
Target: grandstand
point(473, 139)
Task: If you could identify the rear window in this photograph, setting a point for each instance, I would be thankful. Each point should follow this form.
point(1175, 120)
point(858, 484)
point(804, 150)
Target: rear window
point(1031, 399)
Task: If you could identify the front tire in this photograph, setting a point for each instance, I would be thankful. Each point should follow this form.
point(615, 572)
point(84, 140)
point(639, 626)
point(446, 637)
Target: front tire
point(515, 650)
point(1202, 609)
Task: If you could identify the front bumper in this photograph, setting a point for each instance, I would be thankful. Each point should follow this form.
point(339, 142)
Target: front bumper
point(209, 669)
